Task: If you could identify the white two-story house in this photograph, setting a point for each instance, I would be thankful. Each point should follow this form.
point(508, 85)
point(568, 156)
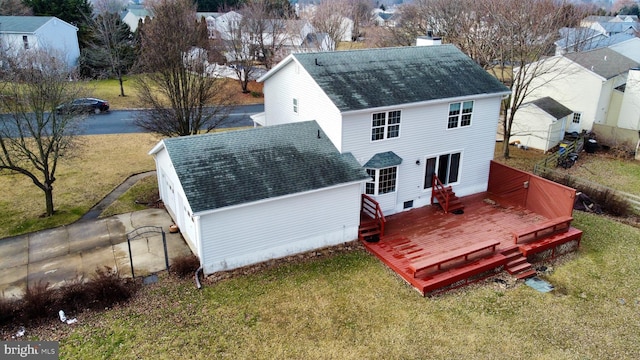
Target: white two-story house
point(405, 114)
point(30, 33)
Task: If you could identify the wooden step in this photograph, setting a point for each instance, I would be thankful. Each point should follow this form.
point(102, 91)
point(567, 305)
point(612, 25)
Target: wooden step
point(525, 274)
point(518, 268)
point(517, 261)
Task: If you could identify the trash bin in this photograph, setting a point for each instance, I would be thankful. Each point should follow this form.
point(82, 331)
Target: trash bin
point(591, 146)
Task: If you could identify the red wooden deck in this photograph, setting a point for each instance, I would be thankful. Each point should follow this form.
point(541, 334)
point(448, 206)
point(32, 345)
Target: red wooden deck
point(413, 236)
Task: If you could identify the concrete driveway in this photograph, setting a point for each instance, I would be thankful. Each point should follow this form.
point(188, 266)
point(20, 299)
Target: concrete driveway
point(65, 253)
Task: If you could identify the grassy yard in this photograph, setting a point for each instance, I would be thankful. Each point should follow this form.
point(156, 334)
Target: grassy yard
point(343, 305)
point(110, 90)
point(350, 306)
point(100, 164)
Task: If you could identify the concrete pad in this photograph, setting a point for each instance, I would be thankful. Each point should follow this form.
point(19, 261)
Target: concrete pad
point(88, 235)
point(97, 259)
point(15, 251)
point(48, 244)
point(56, 271)
point(13, 281)
point(116, 229)
point(147, 252)
point(151, 217)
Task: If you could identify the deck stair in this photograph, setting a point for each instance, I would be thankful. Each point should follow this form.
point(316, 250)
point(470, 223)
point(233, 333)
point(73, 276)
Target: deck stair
point(517, 265)
point(372, 220)
point(445, 196)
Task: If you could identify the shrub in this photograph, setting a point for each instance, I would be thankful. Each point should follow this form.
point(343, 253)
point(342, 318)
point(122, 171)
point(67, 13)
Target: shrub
point(610, 202)
point(38, 301)
point(185, 266)
point(8, 310)
point(106, 288)
point(256, 94)
point(74, 295)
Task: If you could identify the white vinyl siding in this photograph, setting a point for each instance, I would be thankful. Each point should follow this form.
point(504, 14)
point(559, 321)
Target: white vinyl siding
point(289, 83)
point(423, 134)
point(265, 230)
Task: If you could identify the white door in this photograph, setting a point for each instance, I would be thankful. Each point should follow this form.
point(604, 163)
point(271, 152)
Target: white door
point(575, 123)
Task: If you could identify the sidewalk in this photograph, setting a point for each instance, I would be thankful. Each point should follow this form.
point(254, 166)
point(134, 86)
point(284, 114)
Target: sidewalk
point(63, 254)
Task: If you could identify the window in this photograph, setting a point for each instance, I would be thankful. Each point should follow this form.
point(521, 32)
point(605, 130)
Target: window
point(446, 167)
point(576, 118)
point(295, 106)
point(460, 114)
point(385, 125)
point(382, 181)
point(25, 41)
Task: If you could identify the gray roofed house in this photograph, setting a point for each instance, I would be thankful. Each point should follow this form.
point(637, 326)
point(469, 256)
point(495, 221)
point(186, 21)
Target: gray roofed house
point(604, 62)
point(32, 33)
point(370, 78)
point(237, 167)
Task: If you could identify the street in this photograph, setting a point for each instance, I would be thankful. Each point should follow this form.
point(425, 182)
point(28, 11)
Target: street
point(123, 121)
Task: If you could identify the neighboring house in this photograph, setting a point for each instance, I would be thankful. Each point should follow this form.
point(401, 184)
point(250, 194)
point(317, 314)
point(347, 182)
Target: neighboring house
point(25, 33)
point(246, 196)
point(541, 124)
point(629, 48)
point(317, 42)
point(404, 113)
point(134, 14)
point(585, 39)
point(587, 84)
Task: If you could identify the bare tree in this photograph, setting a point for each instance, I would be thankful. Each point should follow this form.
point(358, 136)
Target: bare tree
point(519, 54)
point(14, 8)
point(176, 86)
point(329, 17)
point(241, 50)
point(34, 135)
point(267, 29)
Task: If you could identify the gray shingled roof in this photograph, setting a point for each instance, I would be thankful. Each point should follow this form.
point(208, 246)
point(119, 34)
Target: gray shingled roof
point(383, 160)
point(237, 167)
point(604, 62)
point(22, 24)
point(369, 78)
point(552, 107)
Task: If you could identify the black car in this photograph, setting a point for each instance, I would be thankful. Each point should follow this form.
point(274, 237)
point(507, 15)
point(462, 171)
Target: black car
point(84, 105)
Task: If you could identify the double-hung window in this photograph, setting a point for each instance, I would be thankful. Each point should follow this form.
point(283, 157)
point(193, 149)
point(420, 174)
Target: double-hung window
point(295, 106)
point(445, 166)
point(460, 114)
point(576, 118)
point(385, 125)
point(382, 181)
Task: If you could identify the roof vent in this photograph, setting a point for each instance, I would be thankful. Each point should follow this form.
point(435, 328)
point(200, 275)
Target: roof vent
point(318, 133)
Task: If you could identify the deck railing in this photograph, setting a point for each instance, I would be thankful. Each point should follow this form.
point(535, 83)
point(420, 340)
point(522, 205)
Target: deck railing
point(372, 209)
point(437, 187)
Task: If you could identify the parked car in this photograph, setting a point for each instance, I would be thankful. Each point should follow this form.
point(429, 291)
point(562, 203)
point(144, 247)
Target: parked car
point(84, 105)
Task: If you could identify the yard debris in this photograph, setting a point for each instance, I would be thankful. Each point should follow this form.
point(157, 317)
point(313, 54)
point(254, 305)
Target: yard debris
point(584, 203)
point(539, 284)
point(20, 332)
point(63, 318)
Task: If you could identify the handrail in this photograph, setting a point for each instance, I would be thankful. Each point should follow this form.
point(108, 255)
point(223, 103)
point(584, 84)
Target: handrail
point(372, 208)
point(438, 186)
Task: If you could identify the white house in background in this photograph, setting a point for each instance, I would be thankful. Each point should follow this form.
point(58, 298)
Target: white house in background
point(584, 83)
point(133, 14)
point(541, 124)
point(25, 33)
point(405, 114)
point(246, 196)
point(629, 48)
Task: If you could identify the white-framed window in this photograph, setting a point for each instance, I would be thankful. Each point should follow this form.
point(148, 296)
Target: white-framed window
point(25, 42)
point(460, 114)
point(576, 118)
point(385, 125)
point(295, 106)
point(382, 181)
point(445, 166)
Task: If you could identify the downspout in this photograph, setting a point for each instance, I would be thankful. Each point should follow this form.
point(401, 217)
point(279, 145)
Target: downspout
point(198, 285)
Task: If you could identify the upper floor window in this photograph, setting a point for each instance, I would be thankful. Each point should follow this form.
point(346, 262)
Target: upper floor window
point(295, 106)
point(382, 181)
point(460, 114)
point(385, 125)
point(25, 41)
